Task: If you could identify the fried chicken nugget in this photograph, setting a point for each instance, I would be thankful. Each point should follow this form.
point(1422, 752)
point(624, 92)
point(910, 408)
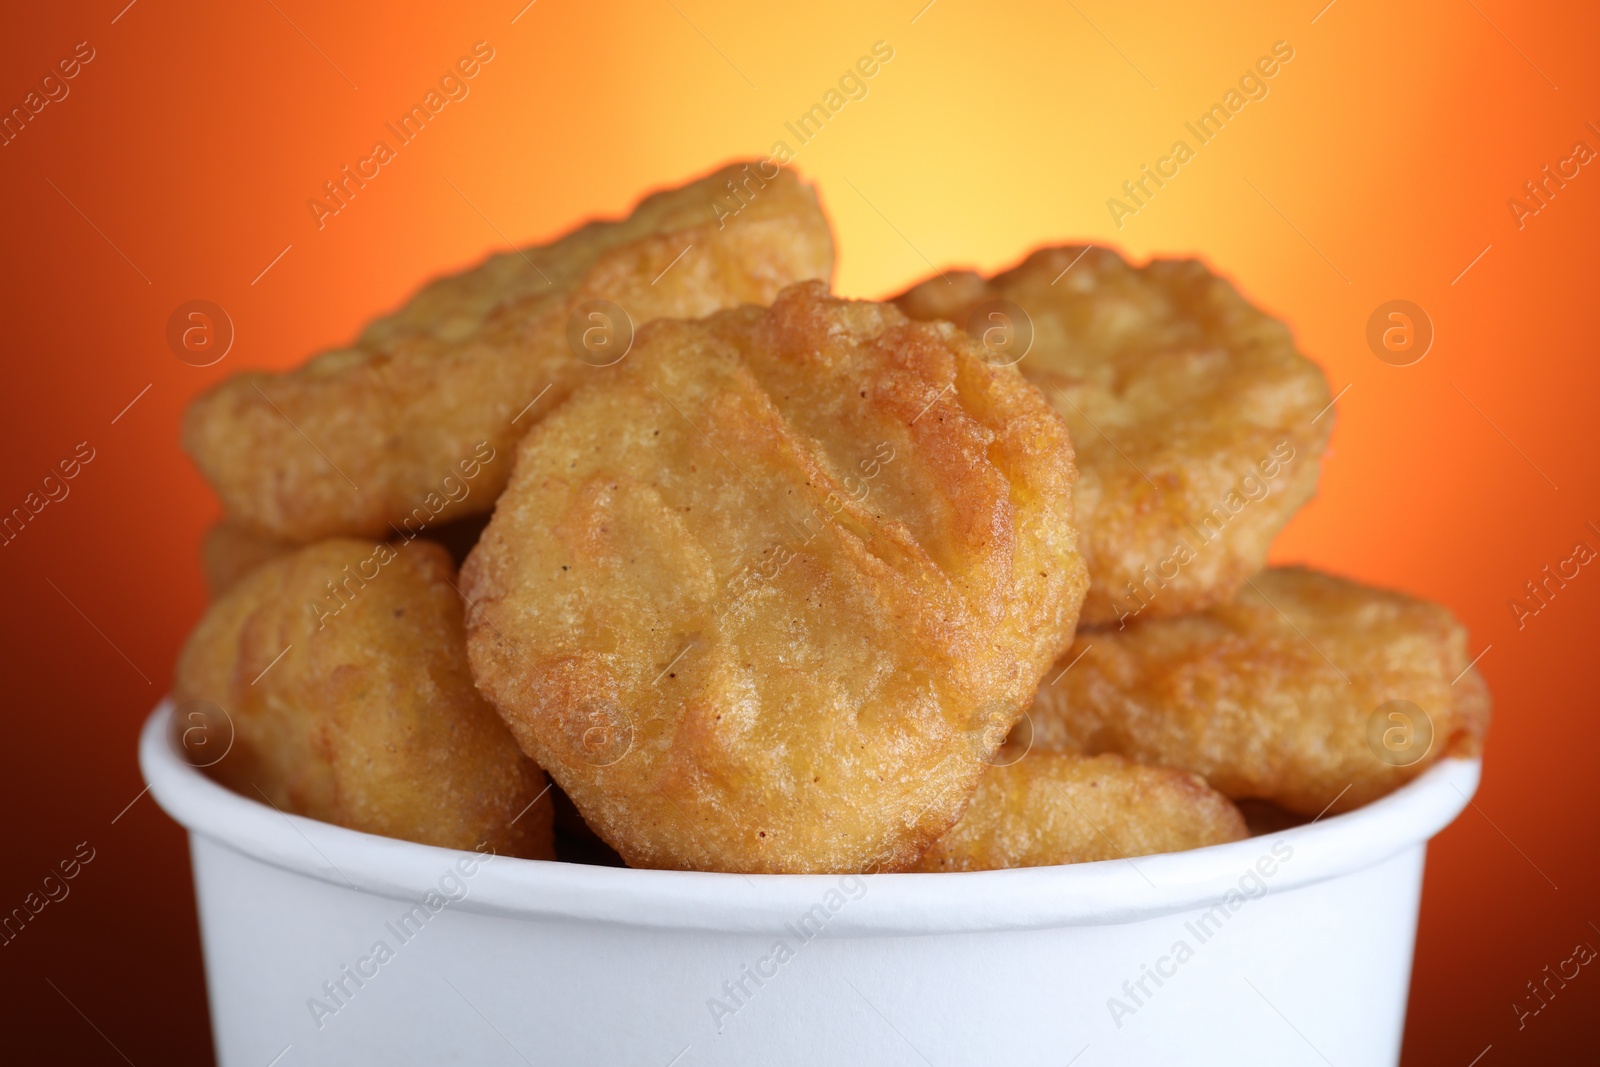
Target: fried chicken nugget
point(1191, 412)
point(769, 597)
point(364, 438)
point(342, 669)
point(1305, 690)
point(1060, 807)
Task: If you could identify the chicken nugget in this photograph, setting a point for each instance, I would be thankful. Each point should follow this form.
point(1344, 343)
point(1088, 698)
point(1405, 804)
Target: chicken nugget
point(342, 669)
point(1060, 807)
point(769, 597)
point(407, 426)
point(1195, 420)
point(1306, 690)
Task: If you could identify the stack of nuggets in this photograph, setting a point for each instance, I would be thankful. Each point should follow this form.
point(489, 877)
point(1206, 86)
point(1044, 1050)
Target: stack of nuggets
point(769, 590)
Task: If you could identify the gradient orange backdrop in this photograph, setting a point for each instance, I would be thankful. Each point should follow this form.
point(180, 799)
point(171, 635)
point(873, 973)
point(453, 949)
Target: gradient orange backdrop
point(1378, 167)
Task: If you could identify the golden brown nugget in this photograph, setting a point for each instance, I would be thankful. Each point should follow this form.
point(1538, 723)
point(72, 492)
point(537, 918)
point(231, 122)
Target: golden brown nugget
point(1195, 420)
point(342, 669)
point(1060, 807)
point(1284, 694)
point(230, 551)
point(406, 427)
point(769, 597)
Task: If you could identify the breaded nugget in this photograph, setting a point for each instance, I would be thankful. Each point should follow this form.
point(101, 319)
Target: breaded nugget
point(1190, 410)
point(768, 598)
point(342, 669)
point(1061, 807)
point(1284, 694)
point(363, 438)
point(230, 551)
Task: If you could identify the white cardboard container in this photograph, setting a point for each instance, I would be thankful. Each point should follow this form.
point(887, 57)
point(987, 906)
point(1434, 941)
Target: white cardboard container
point(510, 961)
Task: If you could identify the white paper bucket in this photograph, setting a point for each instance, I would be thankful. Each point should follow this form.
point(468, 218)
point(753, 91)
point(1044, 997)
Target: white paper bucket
point(323, 946)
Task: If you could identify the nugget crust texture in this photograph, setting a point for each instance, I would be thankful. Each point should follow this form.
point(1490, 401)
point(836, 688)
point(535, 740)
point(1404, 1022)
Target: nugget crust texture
point(369, 719)
point(1060, 807)
point(1191, 413)
point(363, 438)
point(769, 597)
point(1282, 694)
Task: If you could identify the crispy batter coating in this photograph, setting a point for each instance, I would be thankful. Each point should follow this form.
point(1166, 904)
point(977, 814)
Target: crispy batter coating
point(369, 436)
point(1282, 694)
point(230, 551)
point(1191, 412)
point(370, 719)
point(769, 597)
point(1061, 807)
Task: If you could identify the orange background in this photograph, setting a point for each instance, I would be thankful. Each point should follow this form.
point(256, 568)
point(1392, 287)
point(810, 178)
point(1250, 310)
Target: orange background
point(1378, 168)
